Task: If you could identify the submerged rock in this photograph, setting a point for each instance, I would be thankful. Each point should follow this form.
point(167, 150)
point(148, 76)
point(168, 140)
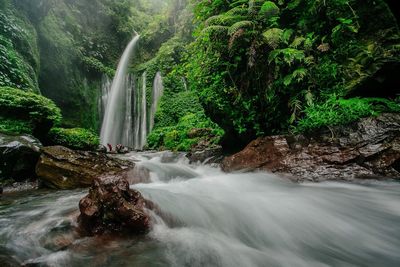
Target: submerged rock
point(368, 148)
point(111, 206)
point(18, 157)
point(64, 168)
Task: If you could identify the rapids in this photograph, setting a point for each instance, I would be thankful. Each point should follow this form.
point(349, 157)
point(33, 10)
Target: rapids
point(209, 218)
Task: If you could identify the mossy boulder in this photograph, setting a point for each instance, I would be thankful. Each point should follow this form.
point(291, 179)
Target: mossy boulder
point(34, 113)
point(75, 138)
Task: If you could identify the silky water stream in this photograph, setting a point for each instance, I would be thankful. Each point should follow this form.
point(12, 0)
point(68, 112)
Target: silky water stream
point(213, 219)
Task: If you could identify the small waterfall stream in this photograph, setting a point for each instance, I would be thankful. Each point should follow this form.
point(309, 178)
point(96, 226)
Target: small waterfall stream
point(158, 89)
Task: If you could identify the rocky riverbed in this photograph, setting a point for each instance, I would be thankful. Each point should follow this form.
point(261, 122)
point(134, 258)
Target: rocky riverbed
point(368, 148)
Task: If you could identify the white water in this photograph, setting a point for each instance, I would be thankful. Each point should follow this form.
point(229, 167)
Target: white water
point(143, 113)
point(113, 123)
point(127, 119)
point(105, 91)
point(209, 218)
point(158, 90)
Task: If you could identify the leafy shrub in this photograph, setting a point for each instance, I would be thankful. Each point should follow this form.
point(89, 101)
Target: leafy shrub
point(13, 126)
point(95, 64)
point(75, 138)
point(37, 111)
point(13, 70)
point(19, 58)
point(256, 64)
point(342, 111)
point(179, 137)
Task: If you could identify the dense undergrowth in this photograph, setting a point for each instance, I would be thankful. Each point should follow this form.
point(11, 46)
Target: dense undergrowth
point(232, 70)
point(75, 138)
point(263, 67)
point(25, 112)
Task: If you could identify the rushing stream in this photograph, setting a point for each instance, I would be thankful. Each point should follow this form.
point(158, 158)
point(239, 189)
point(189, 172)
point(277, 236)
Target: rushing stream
point(214, 219)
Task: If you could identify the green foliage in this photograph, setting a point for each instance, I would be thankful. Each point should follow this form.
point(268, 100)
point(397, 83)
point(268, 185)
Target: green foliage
point(14, 126)
point(339, 111)
point(37, 111)
point(179, 136)
point(18, 52)
point(96, 65)
point(75, 138)
point(174, 106)
point(257, 64)
point(269, 9)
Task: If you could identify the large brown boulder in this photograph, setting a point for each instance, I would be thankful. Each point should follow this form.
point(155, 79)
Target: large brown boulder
point(111, 206)
point(369, 148)
point(64, 168)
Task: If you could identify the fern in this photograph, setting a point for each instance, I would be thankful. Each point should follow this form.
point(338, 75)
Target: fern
point(299, 74)
point(223, 20)
point(240, 25)
point(287, 34)
point(214, 30)
point(293, 4)
point(273, 37)
point(269, 9)
point(298, 41)
point(255, 5)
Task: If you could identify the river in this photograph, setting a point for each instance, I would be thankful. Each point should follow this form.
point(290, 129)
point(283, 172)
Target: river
point(211, 218)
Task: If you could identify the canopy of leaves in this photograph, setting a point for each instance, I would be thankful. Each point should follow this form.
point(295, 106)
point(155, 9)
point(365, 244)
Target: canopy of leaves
point(257, 65)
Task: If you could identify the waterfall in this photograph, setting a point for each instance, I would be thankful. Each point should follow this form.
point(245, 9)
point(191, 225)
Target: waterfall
point(158, 89)
point(113, 127)
point(105, 90)
point(143, 113)
point(184, 83)
point(123, 105)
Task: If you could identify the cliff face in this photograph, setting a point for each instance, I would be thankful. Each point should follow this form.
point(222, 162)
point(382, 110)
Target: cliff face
point(62, 48)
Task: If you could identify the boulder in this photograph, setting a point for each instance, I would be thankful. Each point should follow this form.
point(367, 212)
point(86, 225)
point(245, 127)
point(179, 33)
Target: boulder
point(63, 168)
point(206, 156)
point(18, 157)
point(112, 207)
point(368, 148)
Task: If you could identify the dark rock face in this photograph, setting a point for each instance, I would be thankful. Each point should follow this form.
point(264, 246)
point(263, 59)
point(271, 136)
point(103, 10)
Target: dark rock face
point(369, 148)
point(64, 168)
point(112, 207)
point(18, 156)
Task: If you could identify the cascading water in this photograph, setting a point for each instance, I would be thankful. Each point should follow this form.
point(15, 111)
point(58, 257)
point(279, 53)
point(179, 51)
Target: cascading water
point(123, 105)
point(205, 217)
point(158, 90)
point(113, 126)
point(105, 91)
point(143, 113)
point(184, 83)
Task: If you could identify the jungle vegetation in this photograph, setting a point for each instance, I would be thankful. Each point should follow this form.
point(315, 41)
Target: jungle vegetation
point(232, 70)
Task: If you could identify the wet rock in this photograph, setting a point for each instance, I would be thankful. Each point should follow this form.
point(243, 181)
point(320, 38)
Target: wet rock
point(369, 148)
point(102, 149)
point(18, 157)
point(63, 168)
point(111, 206)
point(206, 156)
point(199, 132)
